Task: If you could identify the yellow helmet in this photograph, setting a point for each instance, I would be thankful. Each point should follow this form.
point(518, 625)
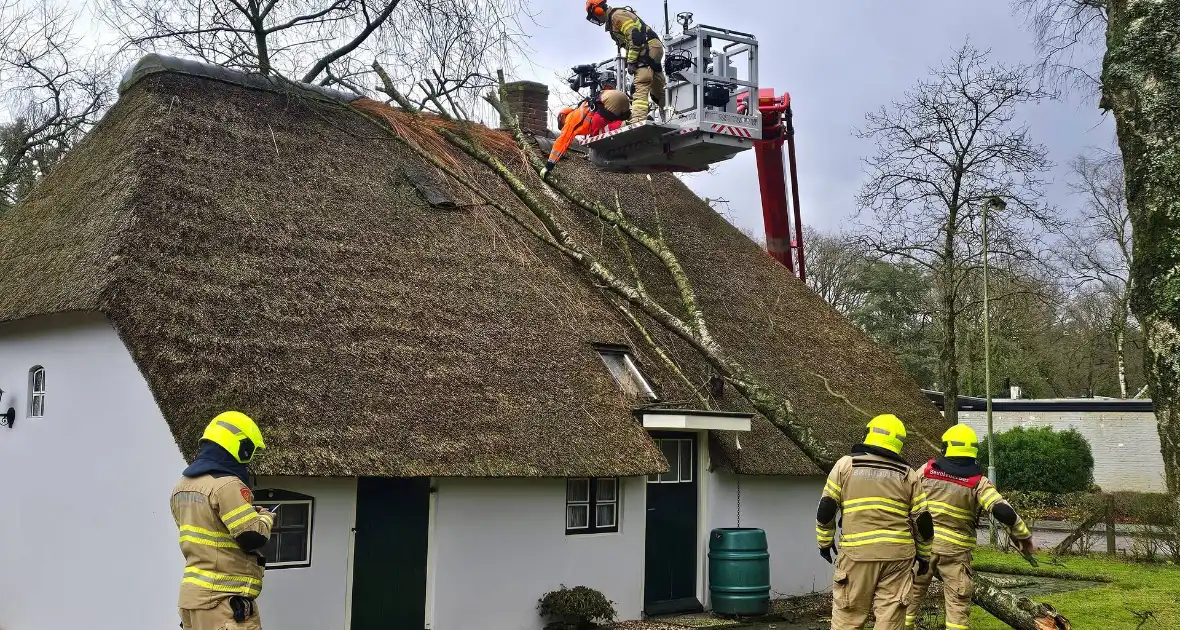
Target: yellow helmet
point(237, 433)
point(961, 441)
point(887, 432)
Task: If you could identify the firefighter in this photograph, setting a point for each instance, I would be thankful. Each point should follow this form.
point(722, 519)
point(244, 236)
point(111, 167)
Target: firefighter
point(886, 529)
point(645, 53)
point(593, 116)
point(221, 532)
point(956, 491)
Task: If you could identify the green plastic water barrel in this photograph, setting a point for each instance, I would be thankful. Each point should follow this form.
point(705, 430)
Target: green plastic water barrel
point(739, 571)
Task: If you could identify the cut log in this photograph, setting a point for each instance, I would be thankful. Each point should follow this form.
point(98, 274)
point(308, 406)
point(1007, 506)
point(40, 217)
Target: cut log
point(1019, 612)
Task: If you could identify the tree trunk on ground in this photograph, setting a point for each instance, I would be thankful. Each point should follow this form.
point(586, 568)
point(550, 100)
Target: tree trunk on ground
point(1141, 84)
point(1019, 612)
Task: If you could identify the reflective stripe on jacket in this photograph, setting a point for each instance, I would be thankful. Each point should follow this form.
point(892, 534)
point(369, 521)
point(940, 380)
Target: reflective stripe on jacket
point(629, 32)
point(955, 503)
point(210, 512)
point(879, 499)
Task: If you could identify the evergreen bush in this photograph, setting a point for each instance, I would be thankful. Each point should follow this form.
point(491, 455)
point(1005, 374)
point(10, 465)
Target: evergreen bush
point(1041, 459)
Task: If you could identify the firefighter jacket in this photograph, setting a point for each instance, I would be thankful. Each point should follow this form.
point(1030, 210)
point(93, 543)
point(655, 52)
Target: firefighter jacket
point(956, 498)
point(882, 503)
point(215, 518)
point(631, 34)
point(587, 120)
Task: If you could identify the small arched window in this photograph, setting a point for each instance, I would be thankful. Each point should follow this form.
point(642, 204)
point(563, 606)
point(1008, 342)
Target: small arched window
point(37, 392)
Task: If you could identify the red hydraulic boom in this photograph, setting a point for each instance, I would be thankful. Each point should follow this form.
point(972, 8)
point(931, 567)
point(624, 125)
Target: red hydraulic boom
point(777, 214)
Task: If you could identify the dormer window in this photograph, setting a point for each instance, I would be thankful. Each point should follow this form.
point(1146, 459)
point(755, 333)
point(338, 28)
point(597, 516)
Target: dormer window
point(625, 372)
point(37, 392)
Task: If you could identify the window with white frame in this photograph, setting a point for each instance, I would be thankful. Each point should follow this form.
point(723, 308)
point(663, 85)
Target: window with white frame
point(622, 367)
point(679, 453)
point(290, 535)
point(37, 392)
point(591, 505)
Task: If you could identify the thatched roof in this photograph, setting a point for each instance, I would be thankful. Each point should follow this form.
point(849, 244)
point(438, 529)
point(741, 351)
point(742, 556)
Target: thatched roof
point(259, 250)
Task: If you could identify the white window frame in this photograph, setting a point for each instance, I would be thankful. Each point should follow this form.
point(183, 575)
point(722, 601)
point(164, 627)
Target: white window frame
point(36, 395)
point(281, 503)
point(681, 444)
point(591, 503)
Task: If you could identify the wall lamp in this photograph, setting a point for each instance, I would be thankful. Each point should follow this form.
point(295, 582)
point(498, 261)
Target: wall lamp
point(8, 417)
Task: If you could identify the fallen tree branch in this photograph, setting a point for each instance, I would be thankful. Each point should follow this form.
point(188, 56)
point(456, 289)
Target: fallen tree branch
point(1017, 611)
point(1079, 531)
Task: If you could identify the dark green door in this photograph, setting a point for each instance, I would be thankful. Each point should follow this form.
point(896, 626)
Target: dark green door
point(670, 573)
point(389, 557)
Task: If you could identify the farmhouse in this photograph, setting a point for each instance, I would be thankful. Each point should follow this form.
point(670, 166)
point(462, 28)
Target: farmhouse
point(457, 419)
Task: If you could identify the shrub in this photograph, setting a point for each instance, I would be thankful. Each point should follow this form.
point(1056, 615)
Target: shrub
point(575, 608)
point(1041, 459)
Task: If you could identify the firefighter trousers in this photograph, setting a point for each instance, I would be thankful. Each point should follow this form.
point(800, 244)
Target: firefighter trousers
point(220, 617)
point(649, 82)
point(957, 589)
point(861, 586)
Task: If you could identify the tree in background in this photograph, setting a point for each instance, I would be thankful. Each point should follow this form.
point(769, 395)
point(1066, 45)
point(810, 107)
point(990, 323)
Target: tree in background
point(943, 151)
point(833, 265)
point(434, 50)
point(52, 89)
point(1043, 460)
point(1098, 245)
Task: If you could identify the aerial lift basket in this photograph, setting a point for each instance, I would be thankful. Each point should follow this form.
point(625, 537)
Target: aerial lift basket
point(700, 124)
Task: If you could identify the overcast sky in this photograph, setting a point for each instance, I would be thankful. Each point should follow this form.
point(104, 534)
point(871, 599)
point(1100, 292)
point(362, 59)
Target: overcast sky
point(838, 59)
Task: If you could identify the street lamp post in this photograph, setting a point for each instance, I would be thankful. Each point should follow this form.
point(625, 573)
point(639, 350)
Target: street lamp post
point(998, 204)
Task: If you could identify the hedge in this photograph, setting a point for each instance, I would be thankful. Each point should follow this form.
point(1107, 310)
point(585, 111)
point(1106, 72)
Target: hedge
point(1041, 459)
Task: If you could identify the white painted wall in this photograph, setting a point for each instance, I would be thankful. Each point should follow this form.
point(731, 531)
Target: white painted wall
point(1126, 446)
point(499, 544)
point(785, 508)
point(86, 536)
point(315, 597)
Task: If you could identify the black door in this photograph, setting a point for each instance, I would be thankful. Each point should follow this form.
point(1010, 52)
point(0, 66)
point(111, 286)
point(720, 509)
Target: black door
point(389, 558)
point(670, 573)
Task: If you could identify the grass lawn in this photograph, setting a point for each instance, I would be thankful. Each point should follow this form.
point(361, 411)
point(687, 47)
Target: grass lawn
point(1135, 586)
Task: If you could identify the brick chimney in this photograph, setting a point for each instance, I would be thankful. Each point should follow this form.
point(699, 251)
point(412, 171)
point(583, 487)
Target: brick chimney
point(529, 101)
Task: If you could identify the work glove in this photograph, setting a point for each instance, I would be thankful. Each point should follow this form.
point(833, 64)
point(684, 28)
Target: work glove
point(632, 68)
point(827, 552)
point(923, 565)
point(1026, 546)
point(544, 172)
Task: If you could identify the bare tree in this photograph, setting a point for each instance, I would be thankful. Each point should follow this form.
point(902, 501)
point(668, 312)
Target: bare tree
point(833, 264)
point(433, 50)
point(1097, 246)
point(52, 88)
point(1070, 37)
point(943, 151)
point(294, 38)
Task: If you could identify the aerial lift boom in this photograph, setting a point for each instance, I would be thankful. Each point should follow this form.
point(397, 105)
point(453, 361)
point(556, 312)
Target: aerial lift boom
point(712, 73)
point(784, 241)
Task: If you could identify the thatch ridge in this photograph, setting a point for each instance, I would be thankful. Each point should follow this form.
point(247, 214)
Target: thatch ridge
point(265, 252)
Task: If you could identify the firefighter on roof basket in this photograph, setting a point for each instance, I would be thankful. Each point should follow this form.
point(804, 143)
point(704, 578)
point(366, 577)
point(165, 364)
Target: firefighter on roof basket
point(956, 490)
point(221, 532)
point(645, 53)
point(594, 115)
point(885, 529)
